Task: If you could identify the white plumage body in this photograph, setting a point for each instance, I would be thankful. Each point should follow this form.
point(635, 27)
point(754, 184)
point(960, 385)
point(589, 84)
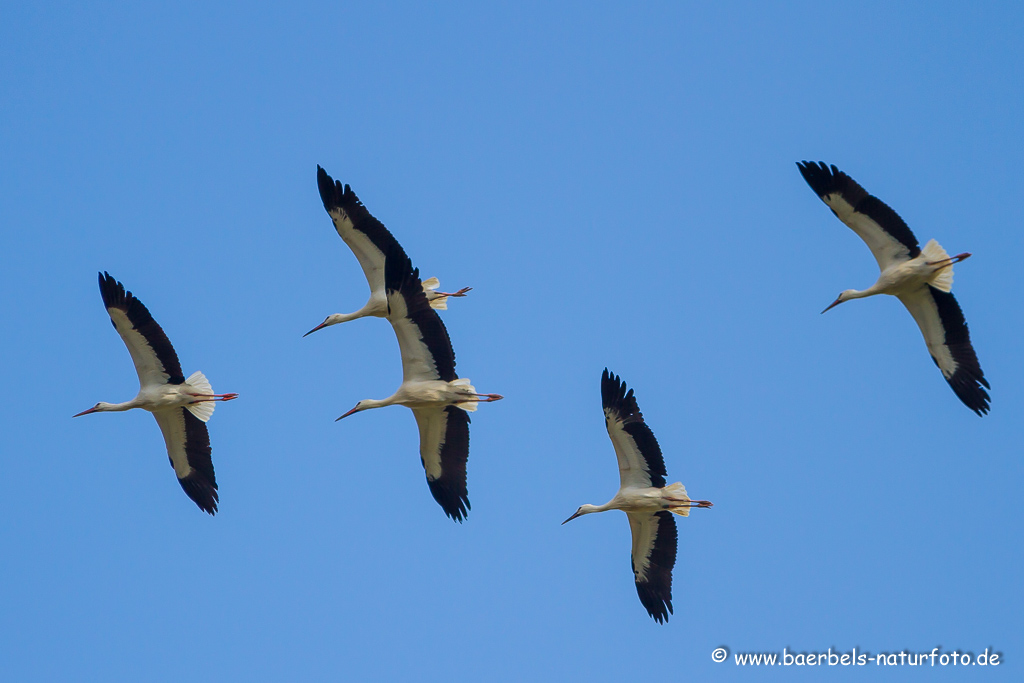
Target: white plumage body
point(434, 393)
point(930, 267)
point(157, 397)
point(648, 499)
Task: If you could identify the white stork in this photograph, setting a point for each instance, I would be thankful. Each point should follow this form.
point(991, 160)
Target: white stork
point(643, 496)
point(369, 241)
point(437, 396)
point(181, 406)
point(920, 278)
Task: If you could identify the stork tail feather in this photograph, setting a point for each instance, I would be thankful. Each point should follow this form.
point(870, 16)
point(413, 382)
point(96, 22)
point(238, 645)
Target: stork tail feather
point(943, 278)
point(677, 492)
point(437, 302)
point(471, 404)
point(204, 409)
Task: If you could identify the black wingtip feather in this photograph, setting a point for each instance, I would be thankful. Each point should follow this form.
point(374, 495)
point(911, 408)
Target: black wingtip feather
point(201, 491)
point(615, 396)
point(823, 180)
point(454, 502)
point(826, 180)
point(332, 192)
point(969, 391)
point(113, 292)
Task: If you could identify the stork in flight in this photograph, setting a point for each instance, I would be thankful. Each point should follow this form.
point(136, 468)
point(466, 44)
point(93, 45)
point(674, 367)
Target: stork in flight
point(181, 406)
point(643, 496)
point(439, 398)
point(920, 278)
point(369, 241)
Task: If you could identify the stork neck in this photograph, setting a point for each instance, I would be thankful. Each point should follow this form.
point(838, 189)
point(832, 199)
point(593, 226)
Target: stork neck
point(374, 307)
point(119, 407)
point(370, 403)
point(346, 317)
point(610, 505)
point(864, 293)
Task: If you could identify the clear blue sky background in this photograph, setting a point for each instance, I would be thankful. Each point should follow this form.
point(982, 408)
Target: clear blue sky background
point(618, 185)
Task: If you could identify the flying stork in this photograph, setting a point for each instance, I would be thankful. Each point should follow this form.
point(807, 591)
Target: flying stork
point(439, 398)
point(920, 278)
point(369, 241)
point(643, 496)
point(181, 406)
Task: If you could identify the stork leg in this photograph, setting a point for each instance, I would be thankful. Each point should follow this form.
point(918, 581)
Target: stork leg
point(461, 292)
point(487, 398)
point(695, 504)
point(950, 261)
point(213, 397)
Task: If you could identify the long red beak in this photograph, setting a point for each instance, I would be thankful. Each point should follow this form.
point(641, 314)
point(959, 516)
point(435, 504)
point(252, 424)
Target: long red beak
point(832, 305)
point(575, 515)
point(318, 327)
point(347, 414)
point(85, 412)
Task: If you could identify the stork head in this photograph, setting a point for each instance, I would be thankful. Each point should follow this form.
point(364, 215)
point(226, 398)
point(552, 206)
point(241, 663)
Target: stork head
point(582, 510)
point(332, 319)
point(98, 408)
point(844, 295)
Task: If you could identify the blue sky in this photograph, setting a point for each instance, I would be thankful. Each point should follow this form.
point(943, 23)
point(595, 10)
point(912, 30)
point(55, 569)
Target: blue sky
point(618, 185)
